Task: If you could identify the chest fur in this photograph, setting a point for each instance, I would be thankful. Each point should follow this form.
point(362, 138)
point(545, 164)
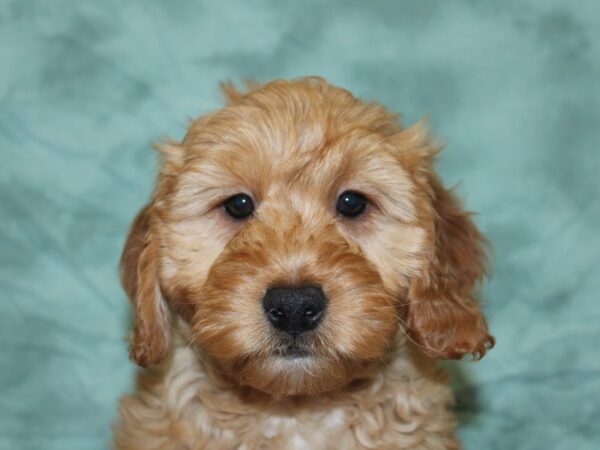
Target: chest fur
point(179, 407)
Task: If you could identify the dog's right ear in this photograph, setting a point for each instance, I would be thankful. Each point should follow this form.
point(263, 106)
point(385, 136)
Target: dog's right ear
point(139, 277)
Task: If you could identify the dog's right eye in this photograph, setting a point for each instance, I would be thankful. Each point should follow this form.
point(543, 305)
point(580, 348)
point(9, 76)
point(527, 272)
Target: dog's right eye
point(240, 206)
point(351, 204)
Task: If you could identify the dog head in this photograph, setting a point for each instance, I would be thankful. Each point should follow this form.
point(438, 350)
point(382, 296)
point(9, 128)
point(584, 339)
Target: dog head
point(296, 231)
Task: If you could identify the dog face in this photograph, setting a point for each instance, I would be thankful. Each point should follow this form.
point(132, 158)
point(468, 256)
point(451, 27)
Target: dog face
point(295, 231)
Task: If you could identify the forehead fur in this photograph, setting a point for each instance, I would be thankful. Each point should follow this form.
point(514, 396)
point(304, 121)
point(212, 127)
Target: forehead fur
point(286, 124)
point(293, 117)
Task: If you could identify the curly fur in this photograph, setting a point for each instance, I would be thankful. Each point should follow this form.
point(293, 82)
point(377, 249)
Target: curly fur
point(400, 281)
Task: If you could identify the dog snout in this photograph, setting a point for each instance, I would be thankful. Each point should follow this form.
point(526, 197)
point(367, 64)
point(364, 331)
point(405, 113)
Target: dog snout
point(295, 310)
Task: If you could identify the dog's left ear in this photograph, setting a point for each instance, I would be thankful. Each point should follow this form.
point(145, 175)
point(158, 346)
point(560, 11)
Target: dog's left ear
point(139, 277)
point(443, 316)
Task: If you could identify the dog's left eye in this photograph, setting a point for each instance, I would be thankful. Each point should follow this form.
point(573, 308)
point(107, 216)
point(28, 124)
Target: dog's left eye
point(351, 204)
point(239, 206)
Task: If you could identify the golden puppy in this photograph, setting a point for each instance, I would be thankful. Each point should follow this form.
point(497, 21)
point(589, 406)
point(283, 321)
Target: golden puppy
point(295, 276)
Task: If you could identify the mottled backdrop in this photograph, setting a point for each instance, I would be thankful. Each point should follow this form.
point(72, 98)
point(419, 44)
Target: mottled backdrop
point(86, 87)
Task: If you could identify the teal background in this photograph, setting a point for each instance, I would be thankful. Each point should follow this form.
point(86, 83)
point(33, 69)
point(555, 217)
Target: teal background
point(86, 87)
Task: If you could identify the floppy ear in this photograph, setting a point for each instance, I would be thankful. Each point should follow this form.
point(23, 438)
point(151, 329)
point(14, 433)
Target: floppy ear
point(443, 315)
point(139, 264)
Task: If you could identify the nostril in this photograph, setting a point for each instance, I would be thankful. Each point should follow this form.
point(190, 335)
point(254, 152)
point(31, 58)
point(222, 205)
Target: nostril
point(312, 314)
point(275, 315)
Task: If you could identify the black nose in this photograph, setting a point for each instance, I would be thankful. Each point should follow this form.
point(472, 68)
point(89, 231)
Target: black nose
point(295, 310)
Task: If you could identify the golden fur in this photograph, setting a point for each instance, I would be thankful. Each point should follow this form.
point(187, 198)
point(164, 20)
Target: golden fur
point(399, 278)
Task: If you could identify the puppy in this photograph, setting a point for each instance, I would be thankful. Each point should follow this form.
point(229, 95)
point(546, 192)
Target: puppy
point(295, 276)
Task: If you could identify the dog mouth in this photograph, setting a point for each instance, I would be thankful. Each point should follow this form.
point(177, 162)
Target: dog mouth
point(293, 351)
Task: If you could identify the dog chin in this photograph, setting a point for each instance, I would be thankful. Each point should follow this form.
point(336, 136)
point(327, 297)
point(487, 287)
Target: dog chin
point(296, 374)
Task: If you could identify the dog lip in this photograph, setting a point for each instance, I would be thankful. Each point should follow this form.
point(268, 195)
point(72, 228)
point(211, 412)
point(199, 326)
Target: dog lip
point(293, 351)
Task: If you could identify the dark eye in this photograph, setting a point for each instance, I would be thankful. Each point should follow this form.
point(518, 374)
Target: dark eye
point(239, 206)
point(351, 204)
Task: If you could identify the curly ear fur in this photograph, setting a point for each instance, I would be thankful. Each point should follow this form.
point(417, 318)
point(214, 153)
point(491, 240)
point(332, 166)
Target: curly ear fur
point(139, 265)
point(443, 315)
